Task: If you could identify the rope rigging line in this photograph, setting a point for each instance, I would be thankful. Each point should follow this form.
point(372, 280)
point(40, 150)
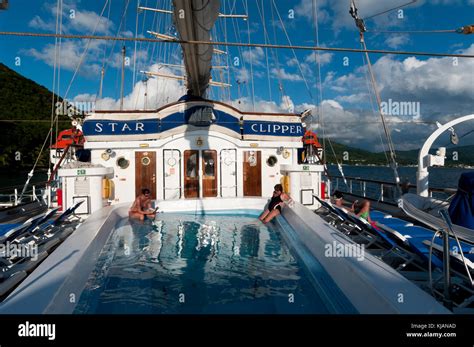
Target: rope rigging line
point(293, 51)
point(246, 8)
point(236, 44)
point(360, 24)
point(392, 9)
point(372, 106)
point(277, 61)
point(261, 12)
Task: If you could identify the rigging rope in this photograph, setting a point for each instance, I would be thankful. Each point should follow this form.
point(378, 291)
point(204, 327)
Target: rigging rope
point(392, 9)
point(293, 51)
point(236, 44)
point(246, 8)
point(360, 24)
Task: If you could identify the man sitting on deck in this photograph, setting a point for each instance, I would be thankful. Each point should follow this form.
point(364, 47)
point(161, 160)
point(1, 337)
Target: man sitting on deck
point(141, 207)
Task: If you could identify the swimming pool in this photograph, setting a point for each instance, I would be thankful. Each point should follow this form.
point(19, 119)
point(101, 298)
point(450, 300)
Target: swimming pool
point(200, 264)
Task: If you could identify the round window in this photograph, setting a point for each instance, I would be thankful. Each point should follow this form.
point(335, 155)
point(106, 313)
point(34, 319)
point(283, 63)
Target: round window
point(272, 160)
point(122, 163)
point(146, 161)
point(172, 162)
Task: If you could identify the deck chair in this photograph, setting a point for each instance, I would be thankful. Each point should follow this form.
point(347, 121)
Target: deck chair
point(336, 218)
point(20, 229)
point(391, 242)
point(66, 214)
point(37, 225)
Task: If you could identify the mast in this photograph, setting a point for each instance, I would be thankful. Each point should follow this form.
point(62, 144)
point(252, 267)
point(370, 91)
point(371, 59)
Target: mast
point(123, 77)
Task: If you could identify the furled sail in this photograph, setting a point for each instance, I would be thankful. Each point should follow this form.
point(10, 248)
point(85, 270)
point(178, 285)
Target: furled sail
point(194, 20)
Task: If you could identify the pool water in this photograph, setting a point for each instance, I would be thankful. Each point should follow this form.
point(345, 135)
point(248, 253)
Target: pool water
point(198, 265)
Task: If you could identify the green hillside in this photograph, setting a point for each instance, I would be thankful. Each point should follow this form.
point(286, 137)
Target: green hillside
point(29, 105)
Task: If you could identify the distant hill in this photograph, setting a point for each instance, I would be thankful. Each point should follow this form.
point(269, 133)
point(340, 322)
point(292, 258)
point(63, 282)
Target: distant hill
point(356, 156)
point(29, 104)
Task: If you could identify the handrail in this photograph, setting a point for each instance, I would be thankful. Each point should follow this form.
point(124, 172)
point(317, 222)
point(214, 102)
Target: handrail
point(10, 188)
point(393, 184)
point(449, 223)
point(446, 256)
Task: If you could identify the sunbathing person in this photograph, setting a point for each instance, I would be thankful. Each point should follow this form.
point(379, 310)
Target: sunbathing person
point(141, 207)
point(276, 203)
point(339, 200)
point(362, 210)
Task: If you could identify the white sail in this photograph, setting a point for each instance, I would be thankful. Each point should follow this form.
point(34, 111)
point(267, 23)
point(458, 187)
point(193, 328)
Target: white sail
point(194, 20)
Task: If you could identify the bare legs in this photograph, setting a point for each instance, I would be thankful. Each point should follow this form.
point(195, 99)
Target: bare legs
point(136, 215)
point(267, 215)
point(141, 216)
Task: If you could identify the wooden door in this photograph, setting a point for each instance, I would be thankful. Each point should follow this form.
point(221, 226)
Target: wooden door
point(209, 173)
point(191, 174)
point(145, 172)
point(252, 173)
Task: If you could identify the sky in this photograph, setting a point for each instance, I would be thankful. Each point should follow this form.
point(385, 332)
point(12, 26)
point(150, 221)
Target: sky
point(415, 91)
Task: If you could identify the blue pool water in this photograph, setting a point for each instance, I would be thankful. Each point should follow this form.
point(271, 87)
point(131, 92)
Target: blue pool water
point(203, 264)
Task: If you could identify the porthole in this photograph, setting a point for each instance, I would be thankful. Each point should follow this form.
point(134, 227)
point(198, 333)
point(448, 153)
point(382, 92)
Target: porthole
point(123, 163)
point(146, 161)
point(272, 160)
point(172, 162)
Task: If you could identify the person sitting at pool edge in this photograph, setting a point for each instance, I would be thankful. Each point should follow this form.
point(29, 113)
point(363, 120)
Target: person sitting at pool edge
point(141, 207)
point(274, 207)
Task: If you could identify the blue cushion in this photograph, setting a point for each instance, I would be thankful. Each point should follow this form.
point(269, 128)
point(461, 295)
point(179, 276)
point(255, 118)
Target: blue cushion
point(4, 228)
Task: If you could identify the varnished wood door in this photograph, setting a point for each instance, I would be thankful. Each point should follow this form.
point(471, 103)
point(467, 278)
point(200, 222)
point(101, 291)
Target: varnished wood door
point(191, 174)
point(145, 172)
point(252, 173)
point(209, 173)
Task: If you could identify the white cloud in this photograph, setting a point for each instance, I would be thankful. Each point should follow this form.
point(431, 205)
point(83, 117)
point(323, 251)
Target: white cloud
point(160, 91)
point(86, 21)
point(286, 76)
point(305, 9)
point(255, 56)
point(73, 20)
point(70, 55)
point(38, 23)
point(397, 41)
point(245, 104)
point(442, 89)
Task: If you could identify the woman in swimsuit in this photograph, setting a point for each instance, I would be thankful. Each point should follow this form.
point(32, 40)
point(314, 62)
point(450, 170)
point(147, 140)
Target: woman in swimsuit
point(274, 207)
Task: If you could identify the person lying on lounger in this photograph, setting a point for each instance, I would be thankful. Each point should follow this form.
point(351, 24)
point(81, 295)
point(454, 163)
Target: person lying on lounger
point(141, 207)
point(362, 210)
point(276, 203)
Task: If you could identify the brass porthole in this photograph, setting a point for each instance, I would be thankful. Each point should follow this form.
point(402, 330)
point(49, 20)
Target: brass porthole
point(146, 161)
point(123, 163)
point(272, 160)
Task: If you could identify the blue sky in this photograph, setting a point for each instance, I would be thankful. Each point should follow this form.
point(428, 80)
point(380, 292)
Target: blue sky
point(442, 89)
